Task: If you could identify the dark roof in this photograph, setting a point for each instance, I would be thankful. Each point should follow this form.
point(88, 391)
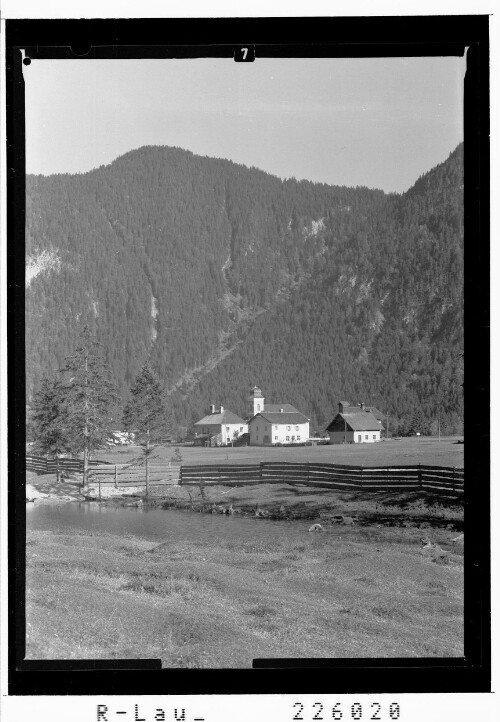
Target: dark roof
point(275, 408)
point(227, 417)
point(291, 417)
point(351, 409)
point(358, 421)
point(378, 414)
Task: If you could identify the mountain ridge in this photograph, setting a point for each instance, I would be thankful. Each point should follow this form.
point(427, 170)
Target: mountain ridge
point(209, 266)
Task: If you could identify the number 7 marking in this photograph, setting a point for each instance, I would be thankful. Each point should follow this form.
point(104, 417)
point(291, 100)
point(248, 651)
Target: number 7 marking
point(245, 53)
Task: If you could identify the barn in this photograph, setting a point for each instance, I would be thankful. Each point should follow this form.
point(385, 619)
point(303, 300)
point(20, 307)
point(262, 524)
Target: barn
point(354, 425)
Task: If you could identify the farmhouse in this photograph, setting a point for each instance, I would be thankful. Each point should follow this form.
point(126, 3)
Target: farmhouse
point(355, 425)
point(219, 427)
point(275, 423)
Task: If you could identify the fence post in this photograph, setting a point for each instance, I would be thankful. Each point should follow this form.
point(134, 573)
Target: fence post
point(99, 481)
point(180, 475)
point(361, 478)
point(261, 471)
point(116, 477)
point(453, 488)
point(420, 484)
point(307, 468)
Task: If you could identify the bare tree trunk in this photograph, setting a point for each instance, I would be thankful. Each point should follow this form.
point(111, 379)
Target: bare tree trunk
point(85, 465)
point(86, 430)
point(147, 465)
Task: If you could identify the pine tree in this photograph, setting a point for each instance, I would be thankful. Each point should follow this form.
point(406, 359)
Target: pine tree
point(47, 420)
point(90, 399)
point(145, 413)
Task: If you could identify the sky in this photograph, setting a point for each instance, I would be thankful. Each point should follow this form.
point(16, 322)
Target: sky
point(377, 122)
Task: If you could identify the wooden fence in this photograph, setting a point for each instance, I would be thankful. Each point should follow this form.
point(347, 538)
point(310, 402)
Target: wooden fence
point(330, 476)
point(126, 475)
point(42, 465)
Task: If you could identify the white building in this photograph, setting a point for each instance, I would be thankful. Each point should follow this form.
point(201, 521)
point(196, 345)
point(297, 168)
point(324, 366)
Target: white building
point(354, 425)
point(275, 423)
point(219, 427)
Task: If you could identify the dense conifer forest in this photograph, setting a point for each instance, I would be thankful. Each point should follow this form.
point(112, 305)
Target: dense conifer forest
point(223, 277)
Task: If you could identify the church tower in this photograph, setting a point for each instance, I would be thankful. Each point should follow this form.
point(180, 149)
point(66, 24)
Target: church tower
point(255, 401)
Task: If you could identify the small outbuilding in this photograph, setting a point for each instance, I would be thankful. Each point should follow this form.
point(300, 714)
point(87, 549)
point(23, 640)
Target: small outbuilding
point(354, 425)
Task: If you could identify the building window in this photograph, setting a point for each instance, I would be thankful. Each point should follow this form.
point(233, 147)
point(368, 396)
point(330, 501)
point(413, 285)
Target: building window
point(298, 438)
point(359, 437)
point(258, 407)
point(296, 428)
point(276, 438)
point(241, 429)
point(276, 428)
point(288, 428)
point(366, 437)
point(374, 437)
point(288, 438)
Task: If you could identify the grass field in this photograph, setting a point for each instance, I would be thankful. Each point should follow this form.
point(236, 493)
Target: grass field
point(354, 592)
point(363, 590)
point(407, 451)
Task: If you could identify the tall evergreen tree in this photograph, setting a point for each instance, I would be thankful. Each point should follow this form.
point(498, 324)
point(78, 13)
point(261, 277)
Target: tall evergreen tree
point(90, 399)
point(48, 421)
point(145, 413)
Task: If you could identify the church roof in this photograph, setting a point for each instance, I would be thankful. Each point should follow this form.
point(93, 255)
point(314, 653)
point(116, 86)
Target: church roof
point(276, 408)
point(290, 417)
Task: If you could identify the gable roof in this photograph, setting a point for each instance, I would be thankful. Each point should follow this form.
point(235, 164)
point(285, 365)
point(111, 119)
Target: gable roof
point(378, 414)
point(275, 408)
point(227, 417)
point(290, 417)
point(351, 409)
point(358, 421)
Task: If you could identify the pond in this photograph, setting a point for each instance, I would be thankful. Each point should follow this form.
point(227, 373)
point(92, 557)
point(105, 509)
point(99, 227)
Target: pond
point(158, 524)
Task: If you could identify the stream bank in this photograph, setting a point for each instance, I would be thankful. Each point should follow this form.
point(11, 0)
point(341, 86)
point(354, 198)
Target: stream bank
point(411, 509)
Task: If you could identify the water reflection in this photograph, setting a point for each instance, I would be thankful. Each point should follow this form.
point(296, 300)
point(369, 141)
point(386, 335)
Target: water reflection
point(157, 523)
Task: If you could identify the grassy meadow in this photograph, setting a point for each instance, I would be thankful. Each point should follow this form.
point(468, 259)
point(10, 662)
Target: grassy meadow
point(363, 587)
point(406, 451)
point(347, 592)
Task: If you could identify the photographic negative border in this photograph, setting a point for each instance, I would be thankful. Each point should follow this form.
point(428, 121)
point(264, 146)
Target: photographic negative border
point(274, 37)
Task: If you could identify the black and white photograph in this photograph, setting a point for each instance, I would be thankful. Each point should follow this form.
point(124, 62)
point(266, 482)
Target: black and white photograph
point(244, 329)
point(244, 358)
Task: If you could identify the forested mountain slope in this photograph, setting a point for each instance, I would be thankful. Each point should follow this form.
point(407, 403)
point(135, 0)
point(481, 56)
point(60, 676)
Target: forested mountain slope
point(229, 277)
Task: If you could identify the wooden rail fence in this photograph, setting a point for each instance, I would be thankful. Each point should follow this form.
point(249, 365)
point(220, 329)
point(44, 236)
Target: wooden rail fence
point(103, 473)
point(330, 476)
point(126, 475)
point(43, 465)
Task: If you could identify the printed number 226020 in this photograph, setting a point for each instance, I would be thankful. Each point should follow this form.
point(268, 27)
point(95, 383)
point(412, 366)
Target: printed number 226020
point(339, 711)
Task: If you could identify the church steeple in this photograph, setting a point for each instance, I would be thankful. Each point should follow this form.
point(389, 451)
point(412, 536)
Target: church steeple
point(255, 401)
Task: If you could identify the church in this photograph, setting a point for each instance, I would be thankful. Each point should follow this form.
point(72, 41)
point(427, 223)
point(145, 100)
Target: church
point(275, 423)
